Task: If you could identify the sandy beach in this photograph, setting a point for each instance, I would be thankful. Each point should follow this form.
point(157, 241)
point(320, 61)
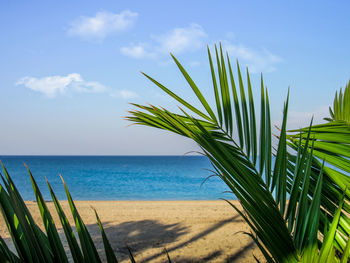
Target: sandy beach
point(191, 231)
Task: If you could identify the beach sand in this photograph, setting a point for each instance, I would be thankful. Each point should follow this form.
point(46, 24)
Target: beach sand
point(191, 231)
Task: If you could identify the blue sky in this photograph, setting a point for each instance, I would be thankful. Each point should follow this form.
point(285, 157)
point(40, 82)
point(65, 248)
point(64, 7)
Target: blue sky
point(69, 68)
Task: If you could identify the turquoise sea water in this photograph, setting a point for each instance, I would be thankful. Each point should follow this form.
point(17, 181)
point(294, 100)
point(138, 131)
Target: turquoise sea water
point(118, 177)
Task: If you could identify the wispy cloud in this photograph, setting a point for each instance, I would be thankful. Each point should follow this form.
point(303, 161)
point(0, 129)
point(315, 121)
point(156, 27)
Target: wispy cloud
point(191, 38)
point(180, 40)
point(138, 51)
point(257, 60)
point(298, 119)
point(52, 86)
point(102, 24)
point(124, 94)
point(58, 85)
point(177, 41)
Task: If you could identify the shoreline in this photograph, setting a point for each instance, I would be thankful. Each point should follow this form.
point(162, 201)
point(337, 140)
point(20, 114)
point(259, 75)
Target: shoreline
point(191, 231)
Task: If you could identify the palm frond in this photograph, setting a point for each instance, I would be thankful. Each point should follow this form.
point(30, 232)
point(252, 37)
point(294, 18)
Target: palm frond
point(284, 231)
point(31, 243)
point(331, 143)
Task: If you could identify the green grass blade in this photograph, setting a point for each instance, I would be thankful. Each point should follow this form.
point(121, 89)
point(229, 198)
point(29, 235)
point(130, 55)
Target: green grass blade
point(215, 86)
point(225, 87)
point(268, 151)
point(262, 249)
point(345, 256)
point(244, 112)
point(87, 245)
point(295, 188)
point(195, 89)
point(327, 246)
point(15, 229)
point(72, 242)
point(252, 122)
point(6, 255)
point(51, 230)
point(310, 231)
point(176, 97)
point(303, 204)
point(111, 258)
point(263, 145)
point(40, 250)
point(236, 105)
point(280, 170)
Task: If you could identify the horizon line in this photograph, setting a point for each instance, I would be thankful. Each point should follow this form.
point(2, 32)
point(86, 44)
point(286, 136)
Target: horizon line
point(102, 155)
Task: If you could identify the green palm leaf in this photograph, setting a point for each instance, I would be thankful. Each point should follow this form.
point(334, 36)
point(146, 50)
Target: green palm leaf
point(284, 232)
point(331, 143)
point(32, 244)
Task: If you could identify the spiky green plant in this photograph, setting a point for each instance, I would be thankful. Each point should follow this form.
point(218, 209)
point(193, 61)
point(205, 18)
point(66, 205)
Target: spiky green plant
point(34, 245)
point(331, 142)
point(284, 231)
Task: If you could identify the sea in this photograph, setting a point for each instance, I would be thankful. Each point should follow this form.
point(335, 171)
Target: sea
point(118, 177)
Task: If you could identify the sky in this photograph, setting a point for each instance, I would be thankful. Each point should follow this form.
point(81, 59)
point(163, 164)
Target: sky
point(69, 69)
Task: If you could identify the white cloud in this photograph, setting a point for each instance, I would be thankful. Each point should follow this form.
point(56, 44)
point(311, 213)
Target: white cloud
point(102, 24)
point(298, 119)
point(257, 60)
point(124, 94)
point(54, 85)
point(137, 51)
point(191, 38)
point(177, 41)
point(180, 40)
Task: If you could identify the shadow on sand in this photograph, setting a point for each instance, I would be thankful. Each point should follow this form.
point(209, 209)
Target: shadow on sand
point(146, 234)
